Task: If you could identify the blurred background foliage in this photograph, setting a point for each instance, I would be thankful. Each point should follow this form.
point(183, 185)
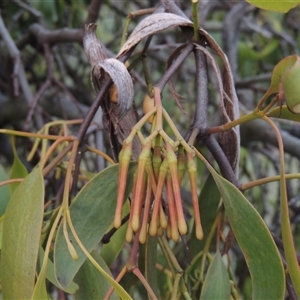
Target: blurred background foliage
point(255, 41)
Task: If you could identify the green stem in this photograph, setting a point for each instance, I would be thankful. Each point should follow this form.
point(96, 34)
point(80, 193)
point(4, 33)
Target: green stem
point(119, 289)
point(176, 132)
point(147, 77)
point(269, 106)
point(173, 263)
point(52, 149)
point(286, 232)
point(175, 286)
point(246, 118)
point(183, 289)
point(262, 101)
point(171, 254)
point(262, 181)
point(207, 245)
point(130, 17)
point(42, 274)
point(166, 255)
point(32, 135)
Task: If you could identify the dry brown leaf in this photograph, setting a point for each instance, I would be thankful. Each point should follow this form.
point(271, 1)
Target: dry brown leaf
point(92, 46)
point(150, 25)
point(229, 140)
point(178, 98)
point(116, 69)
point(121, 78)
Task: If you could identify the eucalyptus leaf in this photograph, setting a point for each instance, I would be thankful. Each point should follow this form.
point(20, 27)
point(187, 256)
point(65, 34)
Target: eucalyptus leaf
point(216, 285)
point(21, 237)
point(280, 6)
point(255, 241)
point(40, 290)
point(4, 191)
point(92, 284)
point(18, 170)
point(111, 250)
point(92, 212)
point(50, 275)
point(209, 201)
point(150, 267)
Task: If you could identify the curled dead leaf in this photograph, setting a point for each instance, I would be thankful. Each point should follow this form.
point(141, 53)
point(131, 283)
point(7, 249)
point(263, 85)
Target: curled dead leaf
point(114, 68)
point(92, 46)
point(151, 25)
point(121, 78)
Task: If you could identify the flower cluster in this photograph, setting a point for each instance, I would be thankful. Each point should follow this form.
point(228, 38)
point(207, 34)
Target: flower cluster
point(156, 203)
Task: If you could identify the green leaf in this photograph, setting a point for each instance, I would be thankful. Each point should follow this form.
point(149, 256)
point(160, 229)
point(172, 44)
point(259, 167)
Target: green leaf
point(281, 6)
point(283, 113)
point(18, 170)
point(110, 251)
point(21, 236)
point(92, 212)
point(278, 72)
point(209, 201)
point(150, 259)
point(50, 275)
point(4, 191)
point(1, 231)
point(291, 87)
point(255, 241)
point(40, 290)
point(216, 285)
point(92, 284)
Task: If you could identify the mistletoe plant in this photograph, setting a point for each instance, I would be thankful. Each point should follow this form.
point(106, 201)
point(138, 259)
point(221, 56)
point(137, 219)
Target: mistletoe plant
point(136, 201)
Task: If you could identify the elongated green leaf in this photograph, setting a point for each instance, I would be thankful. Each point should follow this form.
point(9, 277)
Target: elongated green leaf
point(216, 285)
point(150, 267)
point(21, 236)
point(209, 201)
point(280, 6)
point(255, 241)
point(110, 251)
point(40, 290)
point(50, 275)
point(4, 191)
point(92, 212)
point(18, 170)
point(92, 284)
point(1, 231)
point(284, 113)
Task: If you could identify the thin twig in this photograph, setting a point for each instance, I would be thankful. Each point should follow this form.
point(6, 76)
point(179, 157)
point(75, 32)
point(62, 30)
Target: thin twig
point(218, 154)
point(107, 236)
point(93, 11)
point(175, 65)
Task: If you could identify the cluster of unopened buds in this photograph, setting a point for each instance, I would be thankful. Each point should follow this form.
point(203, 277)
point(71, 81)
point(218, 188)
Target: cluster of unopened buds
point(156, 203)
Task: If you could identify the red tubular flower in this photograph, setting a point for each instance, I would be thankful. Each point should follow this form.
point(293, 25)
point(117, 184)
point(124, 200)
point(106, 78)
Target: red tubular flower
point(172, 214)
point(154, 224)
point(124, 160)
point(140, 186)
point(172, 161)
point(192, 171)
